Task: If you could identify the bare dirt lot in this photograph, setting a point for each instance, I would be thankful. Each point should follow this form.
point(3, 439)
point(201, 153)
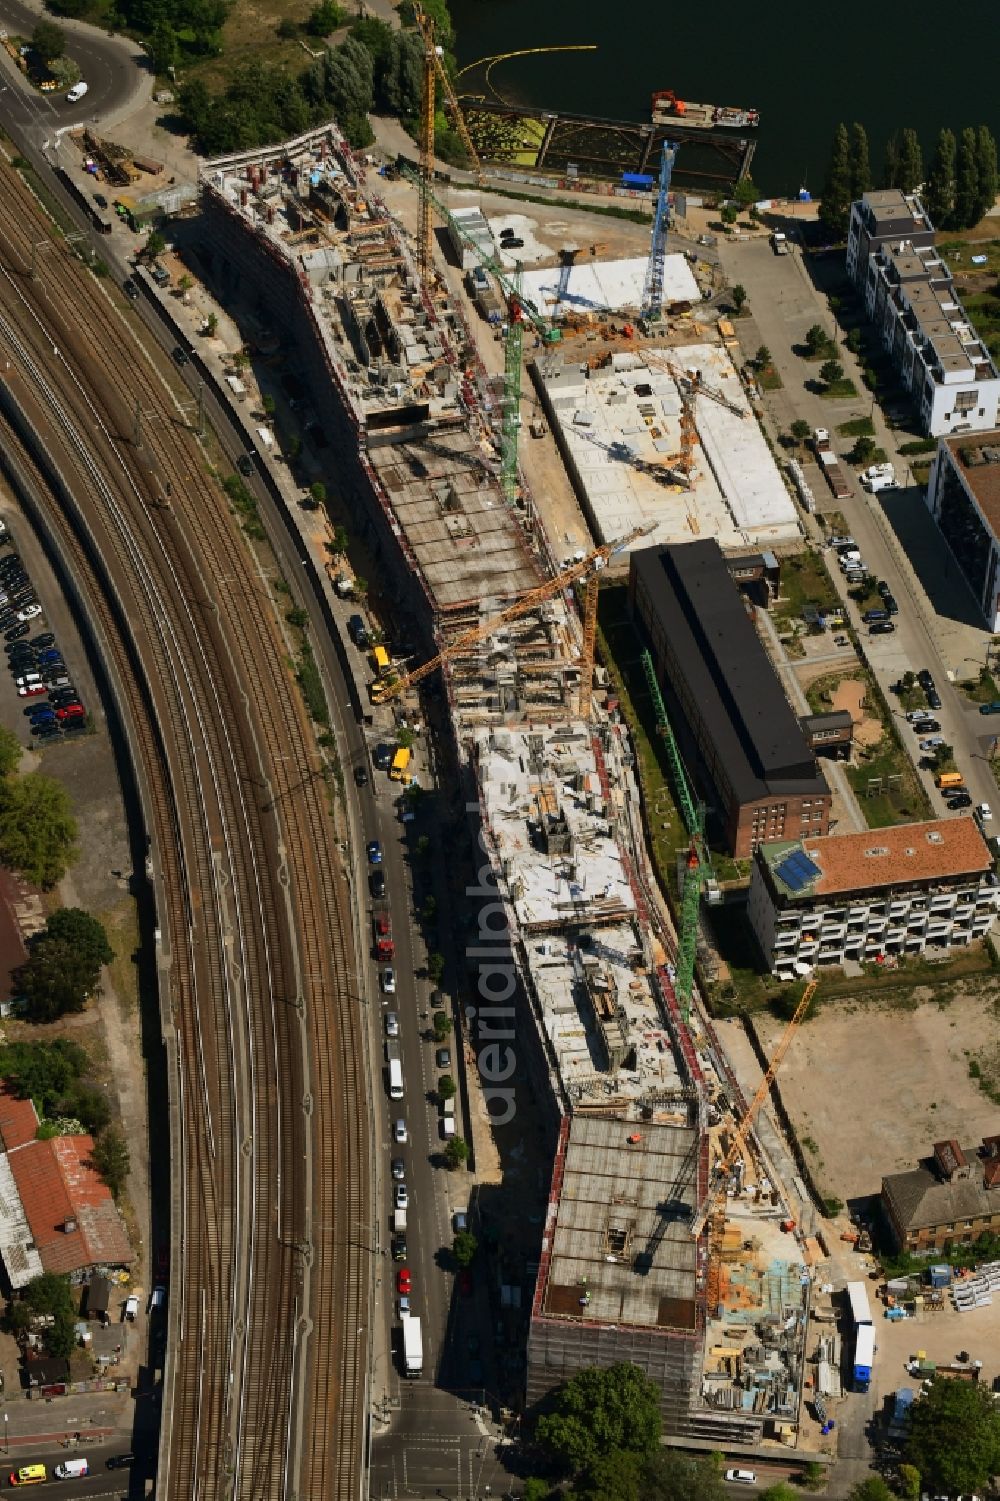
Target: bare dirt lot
point(869, 1086)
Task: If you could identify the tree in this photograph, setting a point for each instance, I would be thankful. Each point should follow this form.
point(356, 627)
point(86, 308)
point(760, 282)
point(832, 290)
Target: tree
point(536, 1490)
point(909, 1483)
point(830, 372)
point(739, 296)
point(855, 339)
point(814, 1475)
point(324, 18)
point(48, 40)
point(185, 283)
point(986, 170)
point(817, 339)
point(745, 193)
point(872, 1488)
point(863, 449)
point(835, 199)
point(399, 74)
point(435, 967)
point(318, 491)
point(939, 194)
point(942, 755)
point(340, 539)
point(287, 29)
point(404, 738)
point(268, 404)
point(800, 430)
point(599, 1412)
point(297, 617)
point(911, 161)
point(37, 829)
point(10, 752)
point(729, 213)
point(442, 1026)
point(48, 1296)
point(861, 171)
point(447, 1088)
point(954, 1438)
point(966, 211)
point(612, 1477)
point(63, 967)
point(156, 243)
point(670, 1475)
point(892, 162)
point(464, 1248)
point(163, 48)
point(111, 1158)
point(456, 1153)
point(762, 358)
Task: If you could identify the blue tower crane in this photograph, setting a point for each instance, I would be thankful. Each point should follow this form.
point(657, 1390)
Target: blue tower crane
point(652, 291)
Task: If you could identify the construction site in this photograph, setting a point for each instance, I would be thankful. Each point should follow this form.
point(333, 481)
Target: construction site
point(637, 1259)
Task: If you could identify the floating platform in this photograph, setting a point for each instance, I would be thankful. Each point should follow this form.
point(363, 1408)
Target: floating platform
point(669, 110)
point(578, 146)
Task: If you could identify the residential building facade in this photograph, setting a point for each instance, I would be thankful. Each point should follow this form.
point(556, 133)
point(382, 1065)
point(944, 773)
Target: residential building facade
point(950, 1199)
point(963, 496)
point(910, 298)
point(743, 745)
point(870, 896)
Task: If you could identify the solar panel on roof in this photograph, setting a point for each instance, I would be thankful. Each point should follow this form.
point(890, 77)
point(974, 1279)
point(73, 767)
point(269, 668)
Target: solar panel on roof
point(797, 870)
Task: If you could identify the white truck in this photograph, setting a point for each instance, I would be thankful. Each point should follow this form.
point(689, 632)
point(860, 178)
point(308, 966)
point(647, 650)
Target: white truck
point(395, 1079)
point(413, 1346)
point(779, 243)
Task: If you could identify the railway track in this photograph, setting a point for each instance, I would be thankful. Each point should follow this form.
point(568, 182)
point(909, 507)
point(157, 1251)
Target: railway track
point(264, 1391)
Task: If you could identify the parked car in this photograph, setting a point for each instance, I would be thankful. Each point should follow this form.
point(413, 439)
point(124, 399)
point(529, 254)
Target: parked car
point(398, 1169)
point(376, 883)
point(992, 708)
point(399, 1132)
point(374, 852)
point(932, 742)
point(404, 1281)
point(985, 813)
point(741, 1477)
point(933, 700)
point(960, 800)
point(442, 1058)
point(401, 1197)
point(881, 628)
point(360, 776)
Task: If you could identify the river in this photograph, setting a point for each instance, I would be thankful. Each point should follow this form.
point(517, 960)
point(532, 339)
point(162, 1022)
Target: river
point(803, 68)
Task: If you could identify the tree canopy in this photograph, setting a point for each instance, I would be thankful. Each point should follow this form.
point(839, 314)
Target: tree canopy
point(51, 1074)
point(835, 198)
point(48, 40)
point(47, 1295)
point(598, 1412)
point(37, 828)
point(954, 1438)
point(63, 967)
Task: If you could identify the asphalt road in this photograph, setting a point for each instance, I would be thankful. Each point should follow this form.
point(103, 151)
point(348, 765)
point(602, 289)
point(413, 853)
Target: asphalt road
point(112, 67)
point(99, 1482)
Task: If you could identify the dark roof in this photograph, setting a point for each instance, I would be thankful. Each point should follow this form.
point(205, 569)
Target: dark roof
point(48, 1370)
point(921, 1199)
point(98, 1294)
point(833, 719)
point(727, 671)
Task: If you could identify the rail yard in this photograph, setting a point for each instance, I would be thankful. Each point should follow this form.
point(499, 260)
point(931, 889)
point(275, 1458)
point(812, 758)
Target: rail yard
point(255, 941)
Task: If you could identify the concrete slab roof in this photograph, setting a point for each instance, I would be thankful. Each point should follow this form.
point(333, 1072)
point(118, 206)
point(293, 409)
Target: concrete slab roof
point(620, 428)
point(606, 286)
point(621, 1248)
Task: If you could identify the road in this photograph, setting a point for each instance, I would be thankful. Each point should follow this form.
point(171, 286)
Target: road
point(114, 69)
point(937, 626)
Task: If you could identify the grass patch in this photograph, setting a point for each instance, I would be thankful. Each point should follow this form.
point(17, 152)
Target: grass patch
point(857, 427)
point(837, 389)
point(981, 690)
point(919, 445)
point(245, 507)
point(921, 472)
point(52, 207)
point(906, 802)
point(609, 210)
point(804, 581)
point(621, 652)
point(308, 678)
point(768, 379)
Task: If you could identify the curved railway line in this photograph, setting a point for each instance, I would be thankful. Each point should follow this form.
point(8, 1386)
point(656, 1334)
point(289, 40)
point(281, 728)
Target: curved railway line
point(264, 1392)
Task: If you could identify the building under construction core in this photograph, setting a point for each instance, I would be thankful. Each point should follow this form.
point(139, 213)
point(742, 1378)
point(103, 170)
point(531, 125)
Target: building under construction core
point(305, 255)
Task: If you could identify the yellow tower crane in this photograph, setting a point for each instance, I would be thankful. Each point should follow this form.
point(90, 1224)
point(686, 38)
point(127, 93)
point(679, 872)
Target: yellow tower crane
point(387, 688)
point(434, 72)
point(715, 1197)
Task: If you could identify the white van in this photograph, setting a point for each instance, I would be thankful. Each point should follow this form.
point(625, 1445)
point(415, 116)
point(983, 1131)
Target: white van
point(395, 1079)
point(76, 92)
point(398, 1221)
point(72, 1469)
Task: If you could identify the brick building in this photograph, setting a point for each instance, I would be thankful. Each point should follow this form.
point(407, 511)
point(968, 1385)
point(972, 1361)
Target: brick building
point(744, 748)
point(950, 1199)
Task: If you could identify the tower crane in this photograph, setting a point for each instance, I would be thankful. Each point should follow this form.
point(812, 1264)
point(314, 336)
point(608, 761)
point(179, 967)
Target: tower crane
point(690, 383)
point(388, 688)
point(520, 310)
point(699, 862)
point(434, 72)
point(652, 291)
point(720, 1177)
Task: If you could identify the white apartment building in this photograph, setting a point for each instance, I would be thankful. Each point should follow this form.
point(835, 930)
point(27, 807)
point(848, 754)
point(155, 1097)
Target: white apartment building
point(911, 300)
point(868, 896)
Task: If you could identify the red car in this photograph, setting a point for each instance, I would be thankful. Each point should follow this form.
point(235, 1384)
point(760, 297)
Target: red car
point(404, 1282)
point(31, 690)
point(465, 1281)
point(71, 711)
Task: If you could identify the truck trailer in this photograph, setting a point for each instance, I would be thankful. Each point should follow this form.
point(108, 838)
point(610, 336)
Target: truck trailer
point(413, 1346)
point(864, 1357)
point(836, 477)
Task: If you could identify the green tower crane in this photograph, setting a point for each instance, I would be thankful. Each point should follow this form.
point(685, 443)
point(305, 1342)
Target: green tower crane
point(699, 864)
